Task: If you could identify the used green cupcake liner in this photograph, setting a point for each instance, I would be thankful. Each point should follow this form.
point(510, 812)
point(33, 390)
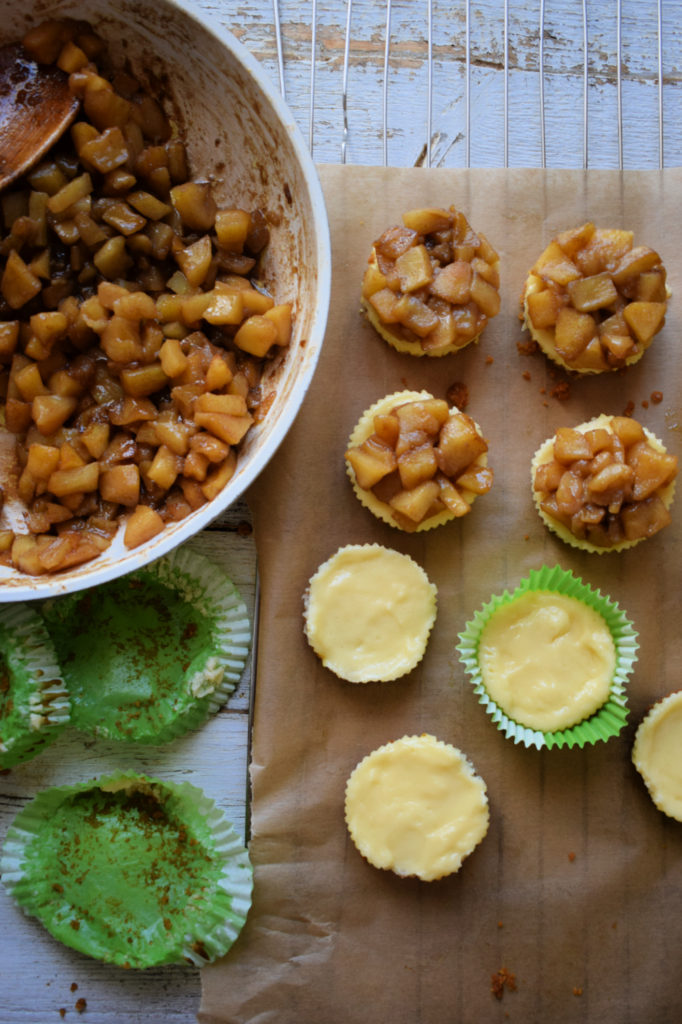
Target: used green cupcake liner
point(131, 870)
point(34, 703)
point(612, 715)
point(151, 655)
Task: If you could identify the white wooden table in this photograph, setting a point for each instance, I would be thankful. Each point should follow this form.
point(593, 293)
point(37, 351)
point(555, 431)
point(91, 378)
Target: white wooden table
point(564, 83)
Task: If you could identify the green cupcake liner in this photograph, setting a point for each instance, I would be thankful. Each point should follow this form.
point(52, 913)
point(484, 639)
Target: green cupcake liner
point(131, 870)
point(151, 655)
point(611, 716)
point(34, 702)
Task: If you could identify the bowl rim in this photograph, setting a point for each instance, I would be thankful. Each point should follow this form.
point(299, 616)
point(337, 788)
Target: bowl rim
point(17, 586)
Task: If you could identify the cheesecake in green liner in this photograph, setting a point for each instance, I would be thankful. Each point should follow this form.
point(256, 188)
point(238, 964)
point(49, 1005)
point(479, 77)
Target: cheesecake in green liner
point(34, 703)
point(129, 869)
point(550, 661)
point(151, 655)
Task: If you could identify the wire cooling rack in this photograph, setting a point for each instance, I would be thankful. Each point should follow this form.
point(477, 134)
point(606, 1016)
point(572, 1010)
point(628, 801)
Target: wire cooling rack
point(497, 83)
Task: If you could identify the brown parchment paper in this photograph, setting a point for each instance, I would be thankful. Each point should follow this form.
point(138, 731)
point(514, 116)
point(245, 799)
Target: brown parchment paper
point(576, 888)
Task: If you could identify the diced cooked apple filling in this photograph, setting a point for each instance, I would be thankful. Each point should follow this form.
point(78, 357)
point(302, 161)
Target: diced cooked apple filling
point(432, 282)
point(606, 484)
point(422, 459)
point(132, 332)
point(594, 299)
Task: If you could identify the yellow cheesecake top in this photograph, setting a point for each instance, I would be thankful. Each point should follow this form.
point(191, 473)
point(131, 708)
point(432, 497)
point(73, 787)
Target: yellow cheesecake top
point(416, 807)
point(656, 754)
point(369, 613)
point(547, 660)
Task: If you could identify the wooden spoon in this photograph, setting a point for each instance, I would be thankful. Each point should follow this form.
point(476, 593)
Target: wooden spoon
point(36, 107)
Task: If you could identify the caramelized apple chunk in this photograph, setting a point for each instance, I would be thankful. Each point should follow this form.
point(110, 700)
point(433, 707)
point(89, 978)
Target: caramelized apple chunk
point(432, 284)
point(606, 484)
point(133, 330)
point(416, 462)
point(594, 301)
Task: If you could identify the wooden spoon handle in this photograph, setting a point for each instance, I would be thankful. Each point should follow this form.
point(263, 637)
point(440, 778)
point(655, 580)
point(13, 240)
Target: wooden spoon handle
point(36, 107)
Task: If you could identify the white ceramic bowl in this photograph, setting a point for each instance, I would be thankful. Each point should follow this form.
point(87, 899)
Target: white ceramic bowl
point(241, 135)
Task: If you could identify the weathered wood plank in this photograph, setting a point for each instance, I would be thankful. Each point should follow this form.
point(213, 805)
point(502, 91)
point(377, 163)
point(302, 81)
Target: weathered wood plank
point(563, 59)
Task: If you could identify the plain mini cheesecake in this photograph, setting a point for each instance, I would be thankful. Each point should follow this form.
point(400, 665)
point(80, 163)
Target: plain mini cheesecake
point(547, 659)
point(415, 462)
point(369, 612)
point(604, 485)
point(594, 300)
point(656, 754)
point(432, 283)
point(416, 807)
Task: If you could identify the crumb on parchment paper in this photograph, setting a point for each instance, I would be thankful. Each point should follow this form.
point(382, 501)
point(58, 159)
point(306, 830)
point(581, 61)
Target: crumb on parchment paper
point(457, 394)
point(502, 979)
point(527, 348)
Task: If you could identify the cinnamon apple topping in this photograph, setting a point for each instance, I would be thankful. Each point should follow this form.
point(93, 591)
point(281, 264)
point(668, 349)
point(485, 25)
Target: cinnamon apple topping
point(133, 332)
point(594, 301)
point(608, 482)
point(432, 284)
point(421, 462)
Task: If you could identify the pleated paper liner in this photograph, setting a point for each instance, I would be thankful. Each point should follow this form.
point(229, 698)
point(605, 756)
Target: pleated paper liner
point(131, 870)
point(152, 655)
point(34, 703)
point(610, 718)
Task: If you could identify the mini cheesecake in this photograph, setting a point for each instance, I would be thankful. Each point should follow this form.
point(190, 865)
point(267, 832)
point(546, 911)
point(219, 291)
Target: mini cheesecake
point(416, 807)
point(369, 612)
point(431, 284)
point(656, 754)
point(415, 462)
point(604, 485)
point(551, 660)
point(547, 659)
point(593, 300)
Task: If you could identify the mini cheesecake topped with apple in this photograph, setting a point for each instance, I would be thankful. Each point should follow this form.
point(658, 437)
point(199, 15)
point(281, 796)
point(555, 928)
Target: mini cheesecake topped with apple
point(415, 462)
point(604, 485)
point(431, 284)
point(594, 300)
